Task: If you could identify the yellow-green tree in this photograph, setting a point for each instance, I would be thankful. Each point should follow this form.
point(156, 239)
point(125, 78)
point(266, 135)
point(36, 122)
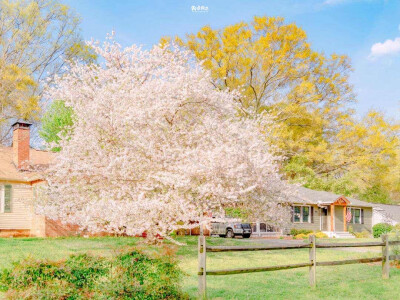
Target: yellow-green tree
point(35, 38)
point(16, 95)
point(370, 149)
point(277, 71)
point(309, 96)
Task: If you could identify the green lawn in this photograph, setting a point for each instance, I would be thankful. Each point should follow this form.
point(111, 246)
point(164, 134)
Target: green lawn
point(338, 282)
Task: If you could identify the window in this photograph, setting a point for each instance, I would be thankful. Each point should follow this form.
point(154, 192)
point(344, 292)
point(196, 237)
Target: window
point(301, 214)
point(356, 215)
point(297, 214)
point(5, 197)
point(263, 227)
point(306, 214)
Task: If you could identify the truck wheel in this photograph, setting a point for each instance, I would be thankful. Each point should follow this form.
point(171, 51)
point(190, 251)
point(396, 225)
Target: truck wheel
point(230, 234)
point(246, 236)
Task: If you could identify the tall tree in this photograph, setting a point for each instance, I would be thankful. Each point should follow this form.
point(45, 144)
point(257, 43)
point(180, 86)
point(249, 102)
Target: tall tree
point(309, 96)
point(37, 37)
point(276, 70)
point(370, 148)
point(155, 146)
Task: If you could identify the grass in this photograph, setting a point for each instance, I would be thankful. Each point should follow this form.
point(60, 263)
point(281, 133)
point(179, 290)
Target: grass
point(362, 281)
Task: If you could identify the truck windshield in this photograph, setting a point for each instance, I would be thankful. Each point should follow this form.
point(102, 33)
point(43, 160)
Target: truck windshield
point(247, 226)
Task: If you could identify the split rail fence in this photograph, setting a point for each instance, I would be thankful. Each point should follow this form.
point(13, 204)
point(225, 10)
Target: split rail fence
point(312, 245)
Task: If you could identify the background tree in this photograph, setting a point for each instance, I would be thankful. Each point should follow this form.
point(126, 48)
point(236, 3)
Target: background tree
point(370, 150)
point(37, 37)
point(56, 124)
point(274, 67)
point(307, 93)
point(155, 146)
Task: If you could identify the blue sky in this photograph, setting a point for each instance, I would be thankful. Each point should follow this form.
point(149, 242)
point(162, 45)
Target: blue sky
point(368, 31)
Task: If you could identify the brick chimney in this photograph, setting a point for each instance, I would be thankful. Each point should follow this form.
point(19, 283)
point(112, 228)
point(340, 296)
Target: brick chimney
point(21, 139)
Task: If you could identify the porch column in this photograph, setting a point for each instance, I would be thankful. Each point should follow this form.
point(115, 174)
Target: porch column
point(332, 216)
point(344, 218)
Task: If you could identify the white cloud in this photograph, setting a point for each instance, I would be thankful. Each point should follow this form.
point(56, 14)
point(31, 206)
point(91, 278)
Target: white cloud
point(385, 48)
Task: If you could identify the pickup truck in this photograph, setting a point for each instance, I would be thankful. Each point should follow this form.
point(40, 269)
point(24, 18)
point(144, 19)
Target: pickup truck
point(231, 229)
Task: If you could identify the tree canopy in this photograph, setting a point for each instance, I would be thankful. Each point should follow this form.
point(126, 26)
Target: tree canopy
point(56, 123)
point(37, 38)
point(155, 146)
point(310, 98)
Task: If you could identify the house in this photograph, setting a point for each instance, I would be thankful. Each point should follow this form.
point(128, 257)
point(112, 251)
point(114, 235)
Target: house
point(386, 213)
point(322, 211)
point(312, 210)
point(18, 183)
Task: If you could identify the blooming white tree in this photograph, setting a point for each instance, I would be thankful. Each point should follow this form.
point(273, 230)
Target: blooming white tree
point(155, 147)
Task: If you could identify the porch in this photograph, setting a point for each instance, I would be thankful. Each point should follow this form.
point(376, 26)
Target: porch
point(333, 216)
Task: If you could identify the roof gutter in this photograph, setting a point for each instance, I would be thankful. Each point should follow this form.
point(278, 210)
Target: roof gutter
point(322, 204)
point(14, 180)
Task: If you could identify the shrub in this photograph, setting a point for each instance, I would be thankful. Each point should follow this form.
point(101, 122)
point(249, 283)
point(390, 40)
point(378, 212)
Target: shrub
point(79, 270)
point(295, 231)
point(136, 276)
point(320, 235)
point(350, 229)
point(300, 236)
point(381, 228)
point(129, 275)
point(363, 234)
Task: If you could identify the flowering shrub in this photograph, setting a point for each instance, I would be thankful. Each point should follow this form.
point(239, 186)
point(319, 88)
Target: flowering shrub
point(295, 231)
point(320, 235)
point(304, 233)
point(363, 234)
point(301, 236)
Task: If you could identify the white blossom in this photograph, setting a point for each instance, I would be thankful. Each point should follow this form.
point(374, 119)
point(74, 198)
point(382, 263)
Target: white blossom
point(156, 147)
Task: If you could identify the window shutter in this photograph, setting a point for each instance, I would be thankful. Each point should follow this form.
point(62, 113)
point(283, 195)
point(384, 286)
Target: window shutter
point(312, 214)
point(7, 198)
point(362, 216)
point(292, 214)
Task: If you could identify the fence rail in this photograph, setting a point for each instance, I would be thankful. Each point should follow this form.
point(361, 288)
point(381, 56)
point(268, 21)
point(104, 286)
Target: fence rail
point(312, 245)
point(253, 248)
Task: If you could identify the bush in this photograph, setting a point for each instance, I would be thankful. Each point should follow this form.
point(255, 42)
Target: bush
point(363, 234)
point(295, 231)
point(130, 275)
point(136, 276)
point(381, 228)
point(301, 236)
point(320, 235)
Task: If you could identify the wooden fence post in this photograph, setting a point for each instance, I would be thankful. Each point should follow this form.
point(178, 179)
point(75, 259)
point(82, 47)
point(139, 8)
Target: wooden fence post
point(385, 257)
point(202, 267)
point(313, 260)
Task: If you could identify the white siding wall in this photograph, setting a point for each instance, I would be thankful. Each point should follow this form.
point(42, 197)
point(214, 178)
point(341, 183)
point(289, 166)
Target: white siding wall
point(21, 213)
